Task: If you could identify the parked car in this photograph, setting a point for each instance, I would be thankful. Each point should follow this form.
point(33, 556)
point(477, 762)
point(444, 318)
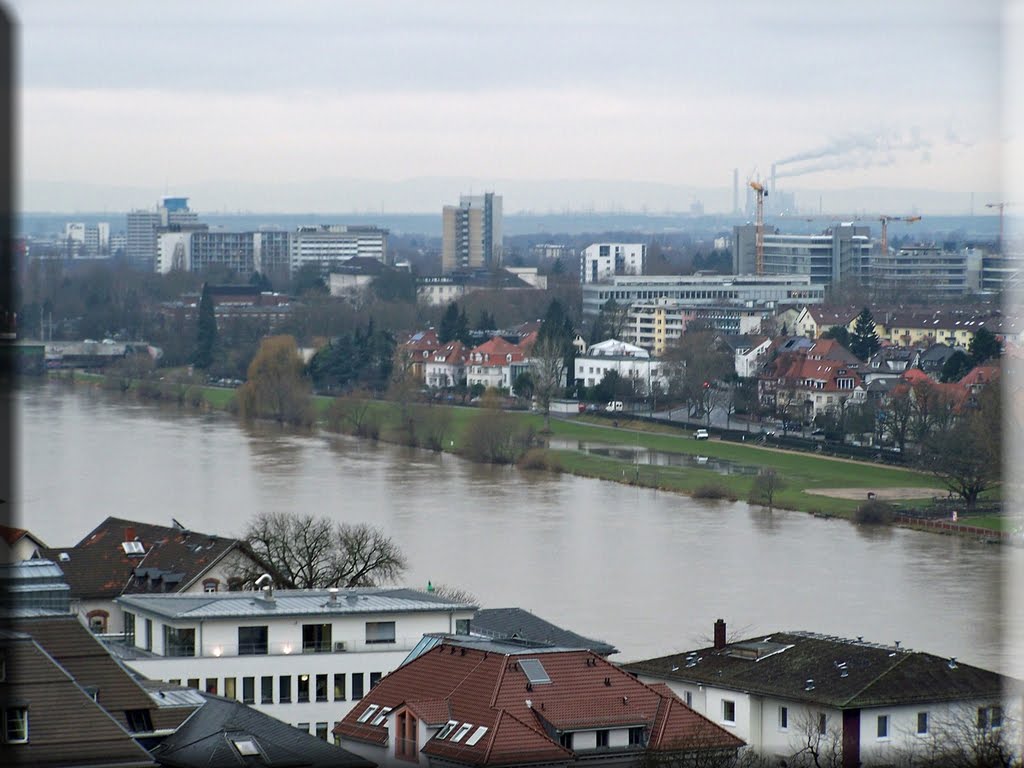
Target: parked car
point(701, 434)
point(614, 406)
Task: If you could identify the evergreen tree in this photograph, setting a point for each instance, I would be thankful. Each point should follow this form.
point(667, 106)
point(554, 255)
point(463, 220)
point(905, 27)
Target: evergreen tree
point(864, 341)
point(984, 346)
point(956, 367)
point(462, 327)
point(449, 328)
point(486, 321)
point(206, 334)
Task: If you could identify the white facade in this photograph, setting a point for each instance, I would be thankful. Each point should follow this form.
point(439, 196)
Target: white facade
point(341, 284)
point(602, 261)
point(328, 245)
point(303, 656)
point(173, 252)
point(630, 362)
point(439, 291)
point(749, 363)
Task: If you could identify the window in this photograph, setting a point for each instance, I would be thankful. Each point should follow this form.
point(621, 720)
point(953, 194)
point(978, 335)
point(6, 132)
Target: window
point(16, 725)
point(248, 690)
point(374, 679)
point(284, 689)
point(564, 739)
point(446, 729)
point(129, 628)
point(405, 737)
point(990, 717)
point(636, 736)
point(147, 638)
point(193, 682)
point(602, 738)
point(367, 713)
point(179, 642)
point(339, 687)
point(303, 692)
point(479, 734)
point(688, 698)
point(357, 686)
point(267, 689)
point(381, 716)
point(883, 726)
point(139, 720)
point(304, 727)
point(922, 723)
point(316, 638)
point(321, 687)
point(822, 723)
point(98, 621)
point(321, 731)
point(783, 718)
point(210, 585)
point(229, 688)
point(252, 641)
point(462, 626)
point(380, 632)
point(728, 711)
point(211, 685)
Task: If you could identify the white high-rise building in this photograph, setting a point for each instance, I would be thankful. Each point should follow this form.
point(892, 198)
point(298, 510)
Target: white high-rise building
point(327, 246)
point(603, 261)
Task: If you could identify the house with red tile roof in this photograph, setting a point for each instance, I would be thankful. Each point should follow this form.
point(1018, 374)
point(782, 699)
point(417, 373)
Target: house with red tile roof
point(460, 705)
point(416, 351)
point(447, 366)
point(122, 557)
point(17, 544)
point(497, 362)
point(800, 385)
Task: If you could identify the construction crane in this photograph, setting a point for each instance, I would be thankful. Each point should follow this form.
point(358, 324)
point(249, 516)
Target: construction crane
point(762, 193)
point(885, 228)
point(1000, 206)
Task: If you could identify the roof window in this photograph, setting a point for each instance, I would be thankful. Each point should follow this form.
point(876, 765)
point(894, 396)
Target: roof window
point(381, 716)
point(133, 548)
point(535, 671)
point(246, 747)
point(463, 730)
point(446, 729)
point(477, 735)
point(368, 713)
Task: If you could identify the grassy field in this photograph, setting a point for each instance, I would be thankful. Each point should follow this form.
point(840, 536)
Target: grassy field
point(799, 472)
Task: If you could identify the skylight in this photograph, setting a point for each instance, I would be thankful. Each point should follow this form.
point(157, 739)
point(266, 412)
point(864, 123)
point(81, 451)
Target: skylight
point(463, 730)
point(448, 728)
point(477, 735)
point(133, 548)
point(246, 747)
point(368, 713)
point(381, 716)
point(535, 671)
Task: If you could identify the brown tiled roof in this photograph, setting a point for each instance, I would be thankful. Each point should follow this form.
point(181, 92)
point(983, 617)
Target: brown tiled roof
point(496, 351)
point(99, 567)
point(66, 726)
point(13, 535)
point(490, 689)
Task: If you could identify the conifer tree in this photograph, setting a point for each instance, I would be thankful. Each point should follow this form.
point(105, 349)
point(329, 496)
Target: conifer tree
point(206, 333)
point(864, 341)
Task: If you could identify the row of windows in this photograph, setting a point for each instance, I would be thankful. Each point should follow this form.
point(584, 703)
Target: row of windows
point(308, 688)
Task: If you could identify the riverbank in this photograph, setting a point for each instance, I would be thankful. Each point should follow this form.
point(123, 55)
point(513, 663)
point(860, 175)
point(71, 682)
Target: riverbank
point(806, 481)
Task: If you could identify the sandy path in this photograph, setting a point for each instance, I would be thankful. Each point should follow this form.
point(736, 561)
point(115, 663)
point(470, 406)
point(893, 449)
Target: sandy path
point(887, 494)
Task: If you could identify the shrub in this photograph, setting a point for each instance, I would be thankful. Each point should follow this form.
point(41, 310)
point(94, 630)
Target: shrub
point(539, 458)
point(765, 487)
point(713, 491)
point(874, 512)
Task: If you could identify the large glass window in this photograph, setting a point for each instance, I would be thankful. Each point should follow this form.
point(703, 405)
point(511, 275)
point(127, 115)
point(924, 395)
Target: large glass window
point(284, 689)
point(303, 691)
point(252, 641)
point(267, 689)
point(316, 638)
point(179, 642)
point(357, 685)
point(129, 628)
point(380, 632)
point(339, 686)
point(321, 687)
point(229, 688)
point(16, 725)
point(249, 690)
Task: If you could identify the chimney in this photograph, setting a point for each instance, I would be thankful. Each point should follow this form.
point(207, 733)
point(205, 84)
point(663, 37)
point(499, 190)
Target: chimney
point(129, 534)
point(719, 635)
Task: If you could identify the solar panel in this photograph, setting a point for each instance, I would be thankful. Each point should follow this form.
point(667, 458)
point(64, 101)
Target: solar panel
point(535, 671)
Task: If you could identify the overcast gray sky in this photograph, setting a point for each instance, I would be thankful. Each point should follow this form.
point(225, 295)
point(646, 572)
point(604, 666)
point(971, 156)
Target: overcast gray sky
point(218, 96)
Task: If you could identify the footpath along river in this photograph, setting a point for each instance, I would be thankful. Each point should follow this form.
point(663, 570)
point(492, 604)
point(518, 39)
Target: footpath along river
point(647, 571)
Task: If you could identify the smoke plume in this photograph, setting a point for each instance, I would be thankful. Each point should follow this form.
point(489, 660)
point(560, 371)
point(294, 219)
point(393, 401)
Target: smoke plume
point(855, 150)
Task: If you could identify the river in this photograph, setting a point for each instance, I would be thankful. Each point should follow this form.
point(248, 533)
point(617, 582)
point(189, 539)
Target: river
point(647, 571)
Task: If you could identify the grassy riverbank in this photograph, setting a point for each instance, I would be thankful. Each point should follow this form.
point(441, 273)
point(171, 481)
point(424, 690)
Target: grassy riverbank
point(800, 473)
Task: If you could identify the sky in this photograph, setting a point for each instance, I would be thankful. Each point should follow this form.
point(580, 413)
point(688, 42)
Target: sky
point(401, 106)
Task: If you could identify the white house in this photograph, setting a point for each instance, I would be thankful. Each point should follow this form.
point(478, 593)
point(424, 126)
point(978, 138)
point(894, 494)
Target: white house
point(874, 702)
point(630, 362)
point(602, 261)
point(302, 656)
point(446, 367)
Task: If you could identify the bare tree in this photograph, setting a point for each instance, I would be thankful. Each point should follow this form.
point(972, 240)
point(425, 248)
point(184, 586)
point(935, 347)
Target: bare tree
point(306, 552)
point(455, 594)
point(817, 743)
point(766, 485)
point(964, 738)
point(547, 364)
point(430, 426)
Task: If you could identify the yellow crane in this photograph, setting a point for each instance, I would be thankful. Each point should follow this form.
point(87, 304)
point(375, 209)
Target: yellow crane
point(762, 193)
point(885, 228)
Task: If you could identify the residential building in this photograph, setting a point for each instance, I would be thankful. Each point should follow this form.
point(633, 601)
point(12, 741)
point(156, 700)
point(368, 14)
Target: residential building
point(839, 255)
point(955, 328)
point(466, 703)
point(415, 352)
point(702, 290)
point(654, 325)
point(17, 544)
point(223, 733)
point(447, 366)
point(174, 248)
point(630, 362)
point(874, 701)
point(801, 385)
point(87, 241)
point(1001, 271)
point(327, 246)
point(351, 278)
point(441, 290)
point(121, 557)
point(302, 656)
point(750, 352)
point(498, 362)
point(815, 320)
point(143, 227)
point(602, 261)
point(471, 233)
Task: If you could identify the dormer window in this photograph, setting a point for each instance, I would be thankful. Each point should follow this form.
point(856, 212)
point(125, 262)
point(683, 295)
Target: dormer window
point(133, 548)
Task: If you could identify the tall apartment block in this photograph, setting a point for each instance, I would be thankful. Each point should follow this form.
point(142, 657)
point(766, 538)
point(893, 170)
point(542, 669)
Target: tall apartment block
point(840, 254)
point(143, 227)
point(471, 233)
point(327, 246)
point(603, 261)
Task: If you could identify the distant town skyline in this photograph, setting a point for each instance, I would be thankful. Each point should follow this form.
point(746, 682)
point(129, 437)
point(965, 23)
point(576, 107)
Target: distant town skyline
point(569, 106)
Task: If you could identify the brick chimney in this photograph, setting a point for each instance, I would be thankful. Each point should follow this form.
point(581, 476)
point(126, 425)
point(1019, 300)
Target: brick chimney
point(719, 635)
point(129, 534)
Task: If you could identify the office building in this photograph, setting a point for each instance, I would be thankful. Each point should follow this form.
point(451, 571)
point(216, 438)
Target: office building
point(471, 233)
point(841, 254)
point(602, 261)
point(143, 229)
point(926, 269)
point(329, 245)
point(654, 325)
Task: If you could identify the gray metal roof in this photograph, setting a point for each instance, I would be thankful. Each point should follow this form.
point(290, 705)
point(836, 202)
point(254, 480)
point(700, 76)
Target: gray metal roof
point(322, 602)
